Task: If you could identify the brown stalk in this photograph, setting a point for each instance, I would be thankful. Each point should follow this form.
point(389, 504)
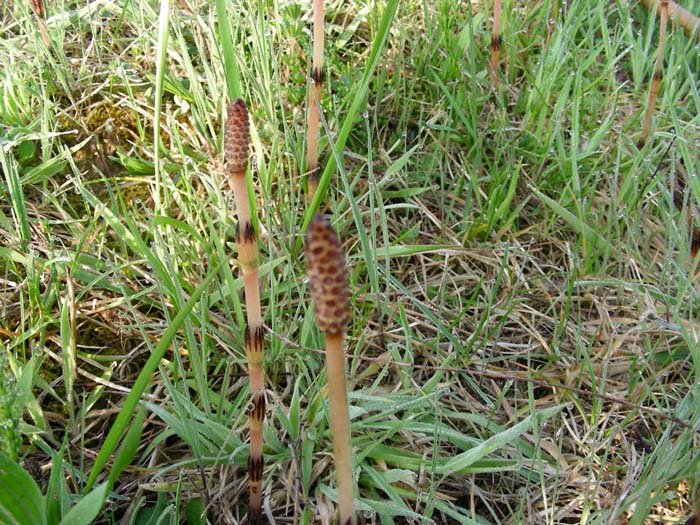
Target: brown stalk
point(40, 12)
point(679, 202)
point(496, 42)
point(314, 103)
point(236, 144)
point(328, 283)
point(684, 18)
point(658, 72)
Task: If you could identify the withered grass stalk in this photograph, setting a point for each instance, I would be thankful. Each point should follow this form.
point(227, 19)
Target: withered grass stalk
point(658, 72)
point(328, 282)
point(314, 102)
point(236, 143)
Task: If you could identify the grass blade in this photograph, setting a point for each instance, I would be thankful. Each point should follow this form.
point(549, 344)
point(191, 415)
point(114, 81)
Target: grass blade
point(126, 413)
point(20, 498)
point(500, 440)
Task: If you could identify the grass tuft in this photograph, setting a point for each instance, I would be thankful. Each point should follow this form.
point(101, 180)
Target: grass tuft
point(523, 337)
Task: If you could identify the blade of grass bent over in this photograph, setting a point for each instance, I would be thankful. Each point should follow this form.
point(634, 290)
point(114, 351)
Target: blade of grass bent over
point(500, 440)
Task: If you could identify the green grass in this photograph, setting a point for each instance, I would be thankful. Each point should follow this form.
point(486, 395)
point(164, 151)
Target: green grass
point(524, 346)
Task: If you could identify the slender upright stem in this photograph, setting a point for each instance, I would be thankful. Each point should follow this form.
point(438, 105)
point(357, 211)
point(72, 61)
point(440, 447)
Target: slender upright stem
point(496, 42)
point(328, 282)
point(237, 141)
point(340, 427)
point(658, 71)
point(684, 18)
point(314, 102)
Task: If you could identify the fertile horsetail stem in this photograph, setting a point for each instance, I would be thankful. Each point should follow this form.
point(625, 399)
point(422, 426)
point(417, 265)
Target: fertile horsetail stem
point(684, 18)
point(236, 144)
point(658, 71)
point(496, 41)
point(328, 283)
point(314, 103)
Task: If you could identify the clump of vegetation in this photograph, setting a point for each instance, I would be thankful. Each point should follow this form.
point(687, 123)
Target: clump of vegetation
point(523, 346)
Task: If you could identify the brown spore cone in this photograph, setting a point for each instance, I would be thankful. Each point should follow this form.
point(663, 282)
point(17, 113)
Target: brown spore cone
point(328, 277)
point(237, 137)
